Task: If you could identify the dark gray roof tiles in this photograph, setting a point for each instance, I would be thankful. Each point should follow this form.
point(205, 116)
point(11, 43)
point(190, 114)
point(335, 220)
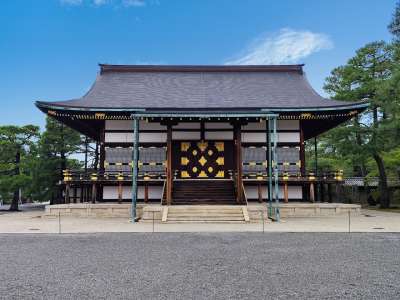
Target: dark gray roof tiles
point(201, 87)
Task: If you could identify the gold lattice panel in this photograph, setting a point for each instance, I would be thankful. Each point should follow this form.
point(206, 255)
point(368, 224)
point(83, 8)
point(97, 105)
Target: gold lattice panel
point(202, 160)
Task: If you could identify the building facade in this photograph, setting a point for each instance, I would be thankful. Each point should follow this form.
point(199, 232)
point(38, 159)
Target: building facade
point(200, 134)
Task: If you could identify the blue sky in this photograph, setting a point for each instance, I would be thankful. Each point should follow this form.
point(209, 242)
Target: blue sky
point(50, 48)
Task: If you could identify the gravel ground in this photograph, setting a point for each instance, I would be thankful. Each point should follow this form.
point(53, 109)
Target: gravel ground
point(200, 266)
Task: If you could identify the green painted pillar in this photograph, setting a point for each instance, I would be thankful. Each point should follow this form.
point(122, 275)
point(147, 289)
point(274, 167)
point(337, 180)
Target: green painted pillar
point(135, 161)
point(269, 166)
point(275, 168)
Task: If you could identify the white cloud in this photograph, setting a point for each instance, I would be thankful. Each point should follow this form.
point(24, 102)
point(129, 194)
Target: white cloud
point(99, 2)
point(125, 3)
point(283, 47)
point(71, 2)
point(133, 3)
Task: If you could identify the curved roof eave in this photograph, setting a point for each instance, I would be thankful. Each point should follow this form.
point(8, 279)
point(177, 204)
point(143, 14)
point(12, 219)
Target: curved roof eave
point(345, 106)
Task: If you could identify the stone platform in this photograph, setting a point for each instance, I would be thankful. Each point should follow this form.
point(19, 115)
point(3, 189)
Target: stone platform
point(146, 212)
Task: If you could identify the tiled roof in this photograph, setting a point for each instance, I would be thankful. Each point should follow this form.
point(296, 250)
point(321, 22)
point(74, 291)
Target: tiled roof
point(201, 87)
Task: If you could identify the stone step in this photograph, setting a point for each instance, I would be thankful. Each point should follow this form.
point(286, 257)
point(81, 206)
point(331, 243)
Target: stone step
point(205, 213)
point(205, 218)
point(207, 221)
point(196, 208)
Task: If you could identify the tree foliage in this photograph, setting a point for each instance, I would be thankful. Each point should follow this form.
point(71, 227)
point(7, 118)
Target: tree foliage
point(17, 152)
point(369, 143)
point(33, 162)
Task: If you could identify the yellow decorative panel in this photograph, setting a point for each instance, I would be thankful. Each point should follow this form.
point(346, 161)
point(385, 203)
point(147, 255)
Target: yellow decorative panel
point(203, 174)
point(203, 161)
point(184, 161)
point(185, 174)
point(202, 146)
point(220, 174)
point(220, 146)
point(185, 146)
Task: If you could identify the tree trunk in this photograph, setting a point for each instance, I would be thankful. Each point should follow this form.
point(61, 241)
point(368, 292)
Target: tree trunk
point(63, 164)
point(383, 187)
point(362, 169)
point(86, 153)
point(15, 200)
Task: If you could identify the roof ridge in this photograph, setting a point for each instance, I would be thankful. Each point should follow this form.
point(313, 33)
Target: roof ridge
point(201, 68)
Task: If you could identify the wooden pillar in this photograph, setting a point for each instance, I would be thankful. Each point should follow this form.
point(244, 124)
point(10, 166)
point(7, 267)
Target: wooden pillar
point(269, 166)
point(119, 192)
point(87, 192)
point(146, 192)
point(285, 192)
point(135, 164)
point(75, 194)
point(312, 192)
point(302, 160)
point(94, 192)
point(238, 162)
point(329, 193)
point(259, 190)
point(67, 188)
point(322, 189)
point(169, 165)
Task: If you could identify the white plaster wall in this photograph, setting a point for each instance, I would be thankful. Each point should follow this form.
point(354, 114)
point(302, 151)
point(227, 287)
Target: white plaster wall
point(218, 135)
point(288, 125)
point(185, 135)
point(255, 126)
point(111, 192)
point(187, 125)
point(261, 137)
point(127, 137)
point(282, 125)
point(119, 125)
point(143, 125)
point(289, 137)
point(254, 137)
point(215, 125)
point(294, 192)
point(128, 125)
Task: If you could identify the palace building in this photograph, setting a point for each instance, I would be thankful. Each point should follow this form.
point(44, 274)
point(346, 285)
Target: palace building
point(199, 134)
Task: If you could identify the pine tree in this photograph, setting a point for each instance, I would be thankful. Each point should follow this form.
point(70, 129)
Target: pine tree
point(57, 144)
point(370, 135)
point(17, 148)
point(394, 26)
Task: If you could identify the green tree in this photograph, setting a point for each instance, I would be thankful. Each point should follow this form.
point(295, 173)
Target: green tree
point(58, 142)
point(394, 26)
point(17, 146)
point(371, 134)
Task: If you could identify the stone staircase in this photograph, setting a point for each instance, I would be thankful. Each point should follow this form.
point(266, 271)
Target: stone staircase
point(203, 191)
point(205, 214)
